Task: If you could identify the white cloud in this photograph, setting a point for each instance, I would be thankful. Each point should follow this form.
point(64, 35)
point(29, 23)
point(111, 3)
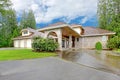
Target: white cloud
point(47, 10)
point(84, 20)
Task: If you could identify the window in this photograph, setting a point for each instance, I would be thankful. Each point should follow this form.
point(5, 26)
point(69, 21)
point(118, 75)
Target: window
point(25, 32)
point(104, 38)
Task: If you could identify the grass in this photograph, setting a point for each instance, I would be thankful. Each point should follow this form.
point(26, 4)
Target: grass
point(20, 54)
point(117, 51)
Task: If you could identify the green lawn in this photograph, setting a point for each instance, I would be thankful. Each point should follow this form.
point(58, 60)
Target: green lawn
point(117, 51)
point(22, 54)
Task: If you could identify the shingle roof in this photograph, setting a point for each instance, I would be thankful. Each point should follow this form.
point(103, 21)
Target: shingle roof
point(55, 24)
point(87, 31)
point(30, 29)
point(75, 25)
point(90, 31)
point(35, 33)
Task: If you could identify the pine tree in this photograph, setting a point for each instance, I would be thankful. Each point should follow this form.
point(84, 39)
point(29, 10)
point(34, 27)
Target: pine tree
point(23, 20)
point(109, 15)
point(28, 20)
point(12, 24)
point(4, 5)
point(31, 20)
point(109, 18)
point(9, 28)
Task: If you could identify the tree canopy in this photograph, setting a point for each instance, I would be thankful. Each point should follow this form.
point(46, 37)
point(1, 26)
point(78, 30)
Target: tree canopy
point(9, 28)
point(4, 5)
point(28, 20)
point(109, 15)
point(8, 23)
point(109, 18)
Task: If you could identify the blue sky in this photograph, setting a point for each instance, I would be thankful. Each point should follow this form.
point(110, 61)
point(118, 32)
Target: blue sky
point(83, 12)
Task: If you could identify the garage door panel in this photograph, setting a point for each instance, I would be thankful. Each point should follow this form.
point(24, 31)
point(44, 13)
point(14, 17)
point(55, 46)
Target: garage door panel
point(26, 43)
point(21, 43)
point(16, 43)
point(29, 43)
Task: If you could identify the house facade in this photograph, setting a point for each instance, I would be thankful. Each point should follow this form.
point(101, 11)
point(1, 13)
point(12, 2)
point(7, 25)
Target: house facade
point(68, 36)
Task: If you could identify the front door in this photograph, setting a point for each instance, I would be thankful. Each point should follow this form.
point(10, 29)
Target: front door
point(63, 43)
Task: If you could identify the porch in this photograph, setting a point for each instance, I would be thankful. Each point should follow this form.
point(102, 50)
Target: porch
point(65, 36)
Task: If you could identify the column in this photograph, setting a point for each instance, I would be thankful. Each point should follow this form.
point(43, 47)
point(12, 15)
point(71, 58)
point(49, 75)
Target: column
point(65, 43)
point(45, 34)
point(76, 43)
point(59, 39)
point(70, 41)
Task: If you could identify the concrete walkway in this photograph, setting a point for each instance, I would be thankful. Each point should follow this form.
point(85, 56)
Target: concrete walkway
point(50, 69)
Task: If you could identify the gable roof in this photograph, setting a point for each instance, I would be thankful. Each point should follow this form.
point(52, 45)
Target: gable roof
point(91, 31)
point(30, 29)
point(35, 33)
point(54, 26)
point(75, 25)
point(66, 28)
point(87, 31)
point(30, 36)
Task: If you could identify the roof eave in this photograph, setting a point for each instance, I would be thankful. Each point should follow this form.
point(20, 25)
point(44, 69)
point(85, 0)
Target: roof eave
point(53, 27)
point(78, 35)
point(98, 34)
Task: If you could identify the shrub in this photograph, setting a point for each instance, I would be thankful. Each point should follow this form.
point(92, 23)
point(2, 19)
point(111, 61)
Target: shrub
point(41, 44)
point(113, 43)
point(98, 46)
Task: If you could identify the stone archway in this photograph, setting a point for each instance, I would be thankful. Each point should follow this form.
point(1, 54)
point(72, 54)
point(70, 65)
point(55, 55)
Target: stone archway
point(53, 35)
point(56, 34)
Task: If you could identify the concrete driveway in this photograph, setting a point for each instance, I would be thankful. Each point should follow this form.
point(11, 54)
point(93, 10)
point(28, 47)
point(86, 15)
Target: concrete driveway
point(50, 69)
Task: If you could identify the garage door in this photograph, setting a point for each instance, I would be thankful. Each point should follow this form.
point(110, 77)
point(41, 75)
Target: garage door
point(22, 43)
point(29, 45)
point(26, 43)
point(16, 43)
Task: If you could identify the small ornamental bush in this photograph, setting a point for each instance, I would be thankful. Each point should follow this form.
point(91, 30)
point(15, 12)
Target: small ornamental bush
point(98, 46)
point(41, 44)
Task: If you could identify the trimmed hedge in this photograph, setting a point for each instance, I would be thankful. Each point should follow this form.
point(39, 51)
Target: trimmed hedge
point(41, 44)
point(114, 43)
point(98, 46)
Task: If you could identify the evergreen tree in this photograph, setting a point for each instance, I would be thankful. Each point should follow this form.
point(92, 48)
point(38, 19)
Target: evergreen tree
point(109, 18)
point(12, 24)
point(28, 20)
point(23, 22)
point(9, 28)
point(4, 5)
point(102, 13)
point(31, 20)
point(109, 15)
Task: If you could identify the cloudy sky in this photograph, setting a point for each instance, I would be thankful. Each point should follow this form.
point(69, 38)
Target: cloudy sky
point(50, 11)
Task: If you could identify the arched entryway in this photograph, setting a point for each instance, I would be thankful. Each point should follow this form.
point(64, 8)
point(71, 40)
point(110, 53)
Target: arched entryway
point(53, 36)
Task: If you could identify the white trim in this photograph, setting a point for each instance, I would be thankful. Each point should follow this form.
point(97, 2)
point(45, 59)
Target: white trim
point(98, 34)
point(27, 34)
point(57, 27)
point(76, 26)
point(53, 27)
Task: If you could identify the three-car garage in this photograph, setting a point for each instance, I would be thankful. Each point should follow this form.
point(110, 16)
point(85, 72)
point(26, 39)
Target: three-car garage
point(23, 43)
